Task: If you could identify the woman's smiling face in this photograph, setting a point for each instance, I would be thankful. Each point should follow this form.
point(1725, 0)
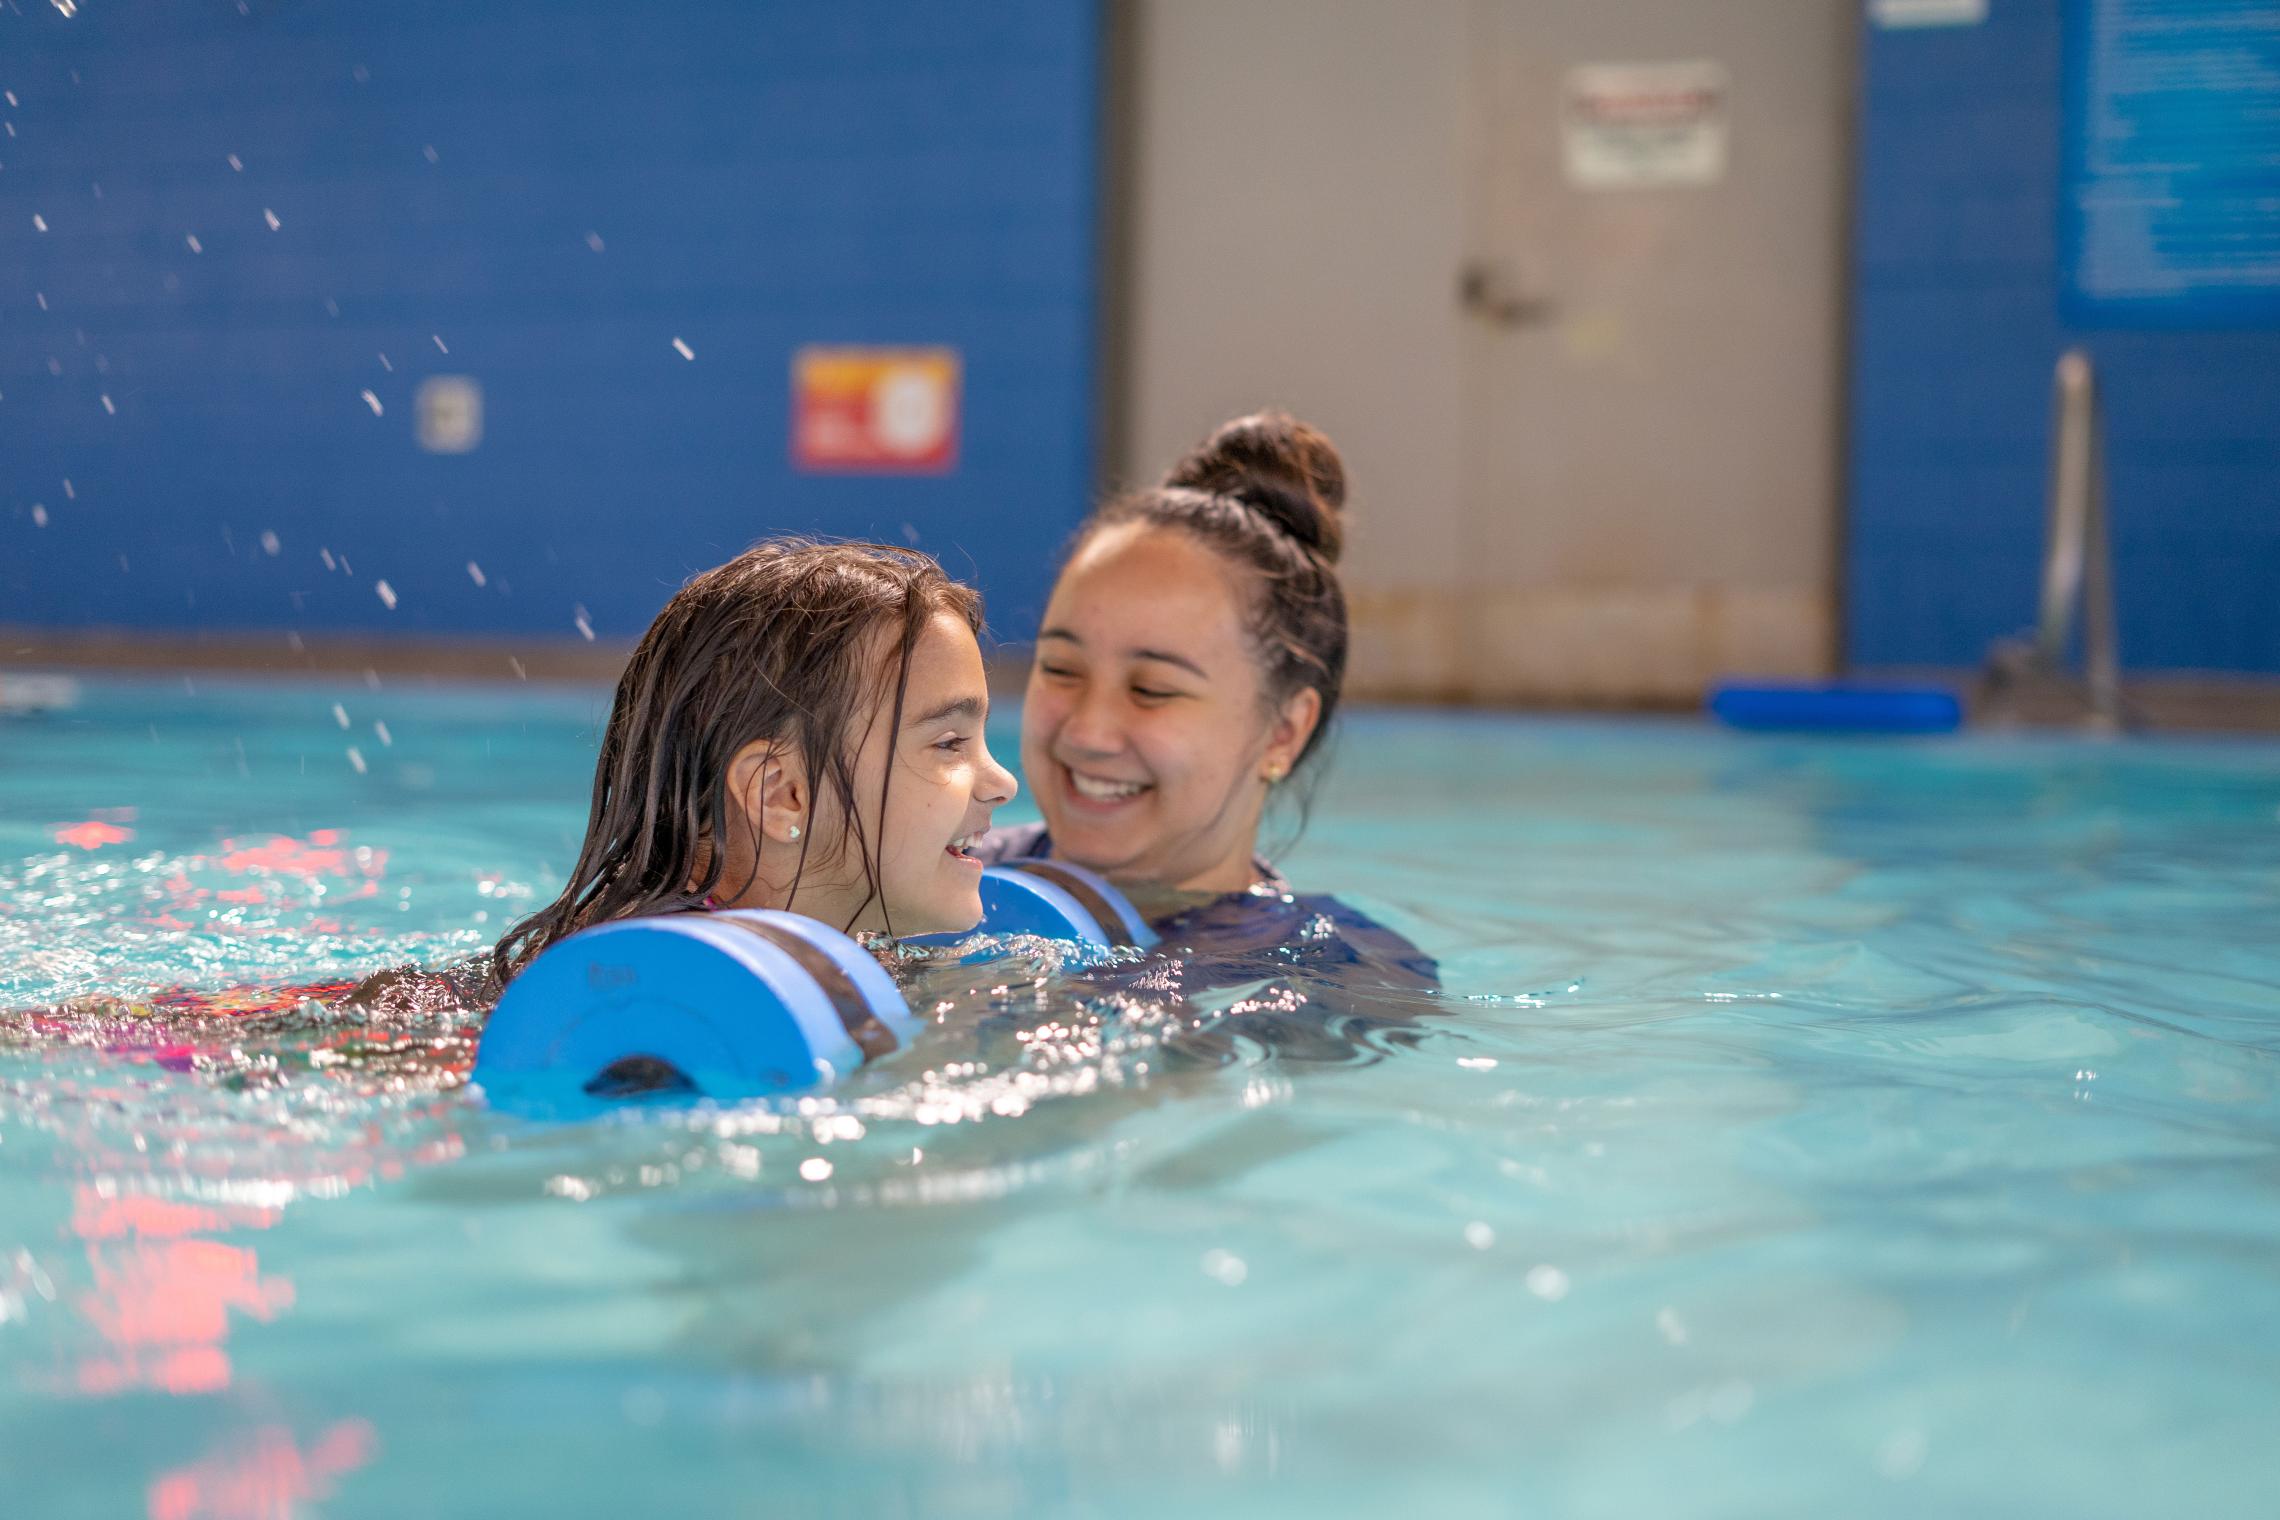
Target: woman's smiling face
point(1145, 733)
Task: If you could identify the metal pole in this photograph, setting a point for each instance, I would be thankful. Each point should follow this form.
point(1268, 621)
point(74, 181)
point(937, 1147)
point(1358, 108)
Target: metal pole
point(2073, 430)
point(2078, 564)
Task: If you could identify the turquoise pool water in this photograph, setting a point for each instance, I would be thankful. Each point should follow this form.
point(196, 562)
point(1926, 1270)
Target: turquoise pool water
point(1806, 1127)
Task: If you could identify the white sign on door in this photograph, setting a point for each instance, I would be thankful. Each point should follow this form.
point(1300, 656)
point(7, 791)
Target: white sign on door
point(1638, 126)
point(1897, 13)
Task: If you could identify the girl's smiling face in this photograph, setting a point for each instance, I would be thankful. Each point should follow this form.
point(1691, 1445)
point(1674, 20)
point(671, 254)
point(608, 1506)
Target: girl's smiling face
point(1146, 732)
point(941, 785)
point(944, 784)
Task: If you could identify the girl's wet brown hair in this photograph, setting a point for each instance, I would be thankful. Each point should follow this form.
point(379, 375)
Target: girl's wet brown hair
point(784, 643)
point(1264, 492)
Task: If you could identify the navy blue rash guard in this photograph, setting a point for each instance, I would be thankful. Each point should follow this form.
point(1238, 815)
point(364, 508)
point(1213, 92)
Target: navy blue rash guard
point(1313, 979)
point(1029, 841)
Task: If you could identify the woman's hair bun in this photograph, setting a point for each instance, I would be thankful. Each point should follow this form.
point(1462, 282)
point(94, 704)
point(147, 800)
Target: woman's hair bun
point(1288, 472)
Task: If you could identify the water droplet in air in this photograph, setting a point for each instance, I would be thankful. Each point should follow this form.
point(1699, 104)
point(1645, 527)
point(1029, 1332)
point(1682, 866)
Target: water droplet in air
point(39, 222)
point(11, 97)
point(387, 594)
point(68, 493)
point(381, 730)
point(270, 217)
point(683, 349)
point(1548, 1283)
point(475, 572)
point(429, 150)
point(360, 74)
point(340, 715)
point(384, 364)
point(594, 241)
point(1902, 1455)
point(327, 556)
point(371, 401)
point(39, 515)
point(585, 627)
point(1225, 1267)
point(192, 239)
point(41, 296)
point(1479, 1235)
point(237, 163)
point(108, 406)
point(356, 759)
point(438, 337)
point(815, 1169)
point(269, 544)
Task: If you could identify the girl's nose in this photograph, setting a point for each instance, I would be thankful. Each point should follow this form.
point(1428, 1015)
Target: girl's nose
point(998, 786)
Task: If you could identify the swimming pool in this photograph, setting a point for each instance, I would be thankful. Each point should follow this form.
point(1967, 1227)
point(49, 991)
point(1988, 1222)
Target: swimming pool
point(1860, 1128)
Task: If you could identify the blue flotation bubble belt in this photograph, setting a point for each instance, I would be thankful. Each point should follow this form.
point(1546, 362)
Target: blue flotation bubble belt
point(741, 1003)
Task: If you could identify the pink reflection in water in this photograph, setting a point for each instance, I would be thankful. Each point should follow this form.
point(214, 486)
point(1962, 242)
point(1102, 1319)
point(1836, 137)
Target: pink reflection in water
point(161, 1297)
point(262, 1476)
point(92, 835)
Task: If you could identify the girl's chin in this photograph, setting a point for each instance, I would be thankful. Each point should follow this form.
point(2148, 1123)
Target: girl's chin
point(943, 918)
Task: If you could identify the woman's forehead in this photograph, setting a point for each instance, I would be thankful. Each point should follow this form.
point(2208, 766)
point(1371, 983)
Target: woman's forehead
point(1134, 586)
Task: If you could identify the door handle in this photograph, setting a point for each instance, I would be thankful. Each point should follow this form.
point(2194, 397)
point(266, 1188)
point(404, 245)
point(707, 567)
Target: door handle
point(1484, 290)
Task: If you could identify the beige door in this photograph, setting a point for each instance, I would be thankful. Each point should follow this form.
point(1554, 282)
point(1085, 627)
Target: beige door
point(1652, 386)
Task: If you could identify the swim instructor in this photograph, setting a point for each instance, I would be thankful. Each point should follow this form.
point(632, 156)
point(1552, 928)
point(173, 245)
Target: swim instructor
point(1189, 664)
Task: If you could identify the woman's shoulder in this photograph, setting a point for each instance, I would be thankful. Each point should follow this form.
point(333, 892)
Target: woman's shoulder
point(1299, 927)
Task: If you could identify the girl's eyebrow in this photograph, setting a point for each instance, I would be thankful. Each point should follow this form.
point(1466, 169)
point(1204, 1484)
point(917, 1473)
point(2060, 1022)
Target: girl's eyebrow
point(963, 707)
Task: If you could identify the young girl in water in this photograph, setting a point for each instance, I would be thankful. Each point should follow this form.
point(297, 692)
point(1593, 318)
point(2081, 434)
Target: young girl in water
point(801, 728)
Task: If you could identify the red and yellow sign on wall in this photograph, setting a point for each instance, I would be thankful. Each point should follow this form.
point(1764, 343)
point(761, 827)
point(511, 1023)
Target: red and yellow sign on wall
point(875, 410)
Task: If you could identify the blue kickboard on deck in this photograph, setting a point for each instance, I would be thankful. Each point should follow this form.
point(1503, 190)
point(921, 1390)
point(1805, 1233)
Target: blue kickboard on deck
point(1839, 707)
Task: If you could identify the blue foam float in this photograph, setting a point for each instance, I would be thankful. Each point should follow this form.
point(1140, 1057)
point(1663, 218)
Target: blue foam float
point(741, 1003)
point(1840, 707)
point(1057, 900)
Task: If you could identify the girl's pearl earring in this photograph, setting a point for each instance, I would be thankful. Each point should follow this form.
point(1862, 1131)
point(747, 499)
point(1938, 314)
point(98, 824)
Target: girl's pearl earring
point(793, 832)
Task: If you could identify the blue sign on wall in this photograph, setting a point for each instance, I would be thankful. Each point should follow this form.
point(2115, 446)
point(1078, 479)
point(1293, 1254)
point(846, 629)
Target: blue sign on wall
point(2171, 203)
point(1958, 307)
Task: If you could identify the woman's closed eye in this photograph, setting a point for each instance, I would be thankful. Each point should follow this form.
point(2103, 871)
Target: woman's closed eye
point(953, 744)
point(1155, 694)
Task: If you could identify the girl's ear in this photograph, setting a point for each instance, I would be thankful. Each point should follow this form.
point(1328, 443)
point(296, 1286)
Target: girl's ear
point(771, 786)
point(1286, 741)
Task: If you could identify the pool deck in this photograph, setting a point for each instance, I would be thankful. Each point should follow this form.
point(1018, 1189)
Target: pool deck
point(2157, 701)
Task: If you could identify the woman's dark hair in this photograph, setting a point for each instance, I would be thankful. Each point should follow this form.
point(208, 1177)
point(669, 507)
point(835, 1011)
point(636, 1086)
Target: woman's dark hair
point(1264, 492)
point(781, 643)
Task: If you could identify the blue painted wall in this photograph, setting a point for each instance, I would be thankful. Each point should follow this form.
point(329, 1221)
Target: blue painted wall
point(1956, 327)
point(761, 174)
